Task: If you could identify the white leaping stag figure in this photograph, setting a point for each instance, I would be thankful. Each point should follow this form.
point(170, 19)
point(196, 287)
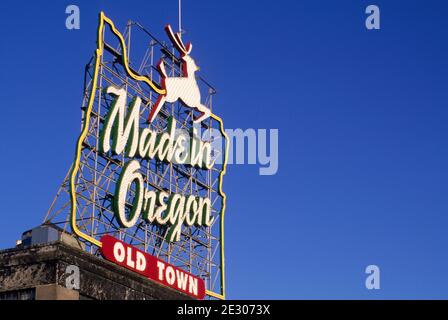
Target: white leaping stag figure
point(184, 88)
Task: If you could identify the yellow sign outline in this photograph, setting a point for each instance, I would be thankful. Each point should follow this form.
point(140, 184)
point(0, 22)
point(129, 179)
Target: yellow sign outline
point(75, 168)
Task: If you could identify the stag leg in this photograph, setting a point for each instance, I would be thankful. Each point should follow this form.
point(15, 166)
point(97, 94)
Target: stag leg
point(205, 113)
point(156, 108)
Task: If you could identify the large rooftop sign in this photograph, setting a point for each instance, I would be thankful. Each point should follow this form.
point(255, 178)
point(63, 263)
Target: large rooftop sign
point(145, 187)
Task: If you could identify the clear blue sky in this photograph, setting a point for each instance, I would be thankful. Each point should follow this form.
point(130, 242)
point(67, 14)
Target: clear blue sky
point(362, 117)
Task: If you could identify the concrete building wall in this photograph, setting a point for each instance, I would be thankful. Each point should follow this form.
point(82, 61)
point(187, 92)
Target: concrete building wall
point(47, 271)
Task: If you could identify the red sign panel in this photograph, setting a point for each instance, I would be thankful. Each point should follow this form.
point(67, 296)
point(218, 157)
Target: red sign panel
point(151, 267)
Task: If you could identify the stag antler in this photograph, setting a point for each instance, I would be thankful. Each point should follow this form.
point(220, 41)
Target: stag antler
point(177, 41)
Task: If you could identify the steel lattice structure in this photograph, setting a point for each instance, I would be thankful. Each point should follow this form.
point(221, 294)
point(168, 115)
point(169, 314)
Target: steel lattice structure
point(200, 250)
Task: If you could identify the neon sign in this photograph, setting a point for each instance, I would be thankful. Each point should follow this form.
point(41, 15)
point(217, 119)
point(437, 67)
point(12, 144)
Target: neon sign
point(131, 147)
point(155, 269)
point(174, 210)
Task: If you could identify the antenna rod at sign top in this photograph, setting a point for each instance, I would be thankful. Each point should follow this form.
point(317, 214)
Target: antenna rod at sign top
point(180, 17)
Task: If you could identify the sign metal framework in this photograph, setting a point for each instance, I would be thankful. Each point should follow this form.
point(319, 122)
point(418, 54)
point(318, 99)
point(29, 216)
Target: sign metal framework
point(85, 200)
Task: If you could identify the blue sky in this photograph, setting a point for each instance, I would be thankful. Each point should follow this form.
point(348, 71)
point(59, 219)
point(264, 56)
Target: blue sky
point(362, 126)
